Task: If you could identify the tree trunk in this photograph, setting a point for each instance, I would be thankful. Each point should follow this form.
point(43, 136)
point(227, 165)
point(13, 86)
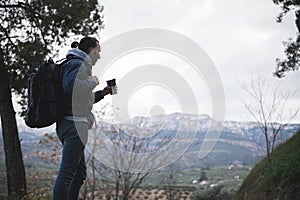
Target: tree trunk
point(16, 181)
point(126, 190)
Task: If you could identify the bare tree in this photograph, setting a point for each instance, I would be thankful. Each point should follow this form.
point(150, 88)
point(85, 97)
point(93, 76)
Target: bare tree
point(268, 111)
point(121, 174)
point(118, 156)
point(125, 162)
point(170, 182)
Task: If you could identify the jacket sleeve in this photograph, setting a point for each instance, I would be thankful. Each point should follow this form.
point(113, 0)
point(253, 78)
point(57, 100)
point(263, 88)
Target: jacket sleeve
point(98, 96)
point(75, 77)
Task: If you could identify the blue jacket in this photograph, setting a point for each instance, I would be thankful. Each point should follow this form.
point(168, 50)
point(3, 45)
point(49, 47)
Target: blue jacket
point(77, 87)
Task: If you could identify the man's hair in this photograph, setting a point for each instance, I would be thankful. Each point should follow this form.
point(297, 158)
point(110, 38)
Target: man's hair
point(86, 43)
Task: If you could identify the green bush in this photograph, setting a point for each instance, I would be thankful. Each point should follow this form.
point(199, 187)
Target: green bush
point(214, 193)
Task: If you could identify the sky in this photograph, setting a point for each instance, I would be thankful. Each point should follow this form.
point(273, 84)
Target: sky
point(241, 38)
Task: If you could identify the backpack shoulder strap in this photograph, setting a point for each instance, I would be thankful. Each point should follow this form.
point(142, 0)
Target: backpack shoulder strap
point(64, 60)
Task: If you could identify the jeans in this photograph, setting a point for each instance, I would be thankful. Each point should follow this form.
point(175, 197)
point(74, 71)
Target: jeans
point(72, 170)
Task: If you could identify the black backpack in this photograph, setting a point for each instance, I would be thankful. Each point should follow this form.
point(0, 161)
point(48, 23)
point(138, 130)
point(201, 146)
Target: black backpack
point(45, 95)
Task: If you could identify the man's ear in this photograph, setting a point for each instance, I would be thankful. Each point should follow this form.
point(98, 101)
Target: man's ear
point(90, 49)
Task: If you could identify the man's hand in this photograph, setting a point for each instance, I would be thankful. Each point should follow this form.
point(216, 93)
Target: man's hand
point(94, 78)
point(106, 91)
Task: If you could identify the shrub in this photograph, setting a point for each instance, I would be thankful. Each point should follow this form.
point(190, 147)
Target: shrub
point(215, 193)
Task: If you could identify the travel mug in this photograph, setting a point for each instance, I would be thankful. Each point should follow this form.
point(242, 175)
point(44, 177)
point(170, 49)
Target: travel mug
point(112, 84)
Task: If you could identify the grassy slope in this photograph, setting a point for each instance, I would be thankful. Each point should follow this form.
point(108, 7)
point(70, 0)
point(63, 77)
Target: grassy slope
point(278, 180)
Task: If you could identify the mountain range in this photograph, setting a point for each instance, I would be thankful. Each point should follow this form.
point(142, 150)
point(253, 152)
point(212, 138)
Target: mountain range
point(238, 142)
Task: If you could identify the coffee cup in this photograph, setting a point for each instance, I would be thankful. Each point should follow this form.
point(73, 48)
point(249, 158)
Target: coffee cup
point(112, 84)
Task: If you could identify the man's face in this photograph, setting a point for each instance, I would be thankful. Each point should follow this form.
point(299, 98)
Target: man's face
point(95, 54)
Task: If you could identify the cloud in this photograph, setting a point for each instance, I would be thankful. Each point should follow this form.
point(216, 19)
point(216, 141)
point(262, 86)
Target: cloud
point(240, 36)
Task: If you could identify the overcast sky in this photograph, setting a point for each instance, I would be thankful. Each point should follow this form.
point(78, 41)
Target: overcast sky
point(241, 37)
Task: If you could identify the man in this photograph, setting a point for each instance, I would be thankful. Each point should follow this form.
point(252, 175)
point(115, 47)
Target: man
point(72, 130)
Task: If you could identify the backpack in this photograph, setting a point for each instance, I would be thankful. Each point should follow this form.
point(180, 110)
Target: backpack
point(45, 95)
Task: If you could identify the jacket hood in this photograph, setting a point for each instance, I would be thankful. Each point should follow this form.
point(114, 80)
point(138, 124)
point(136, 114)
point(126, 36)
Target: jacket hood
point(81, 54)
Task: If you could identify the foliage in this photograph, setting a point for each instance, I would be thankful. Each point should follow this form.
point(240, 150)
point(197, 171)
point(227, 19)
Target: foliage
point(29, 30)
point(278, 179)
point(286, 6)
point(213, 193)
point(292, 60)
point(203, 176)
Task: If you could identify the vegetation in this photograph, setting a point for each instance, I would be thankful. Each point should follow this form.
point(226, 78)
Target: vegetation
point(40, 178)
point(213, 193)
point(292, 61)
point(279, 179)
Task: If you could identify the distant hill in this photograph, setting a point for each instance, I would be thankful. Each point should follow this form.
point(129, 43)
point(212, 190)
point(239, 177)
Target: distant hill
point(237, 143)
point(278, 180)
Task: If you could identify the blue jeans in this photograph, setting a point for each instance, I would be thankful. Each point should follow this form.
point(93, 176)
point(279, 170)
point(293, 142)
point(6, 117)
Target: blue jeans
point(72, 171)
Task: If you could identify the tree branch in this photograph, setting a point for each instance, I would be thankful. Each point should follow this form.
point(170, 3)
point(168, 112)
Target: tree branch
point(18, 5)
point(7, 35)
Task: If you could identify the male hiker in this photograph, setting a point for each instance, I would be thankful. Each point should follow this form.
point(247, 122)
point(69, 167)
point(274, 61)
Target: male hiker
point(72, 130)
